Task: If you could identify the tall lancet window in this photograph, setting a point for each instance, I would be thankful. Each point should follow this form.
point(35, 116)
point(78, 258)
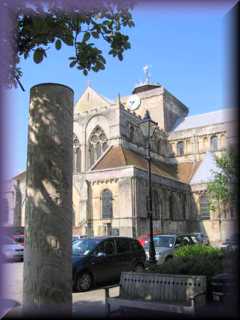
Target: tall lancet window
point(97, 144)
point(106, 198)
point(214, 143)
point(76, 155)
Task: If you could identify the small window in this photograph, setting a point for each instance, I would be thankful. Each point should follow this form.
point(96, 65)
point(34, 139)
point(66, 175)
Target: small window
point(180, 148)
point(204, 207)
point(123, 245)
point(106, 204)
point(131, 132)
point(214, 143)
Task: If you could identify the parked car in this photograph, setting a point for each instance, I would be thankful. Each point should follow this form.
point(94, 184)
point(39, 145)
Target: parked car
point(199, 237)
point(102, 259)
point(232, 243)
point(11, 250)
point(19, 238)
point(165, 245)
point(144, 238)
point(77, 237)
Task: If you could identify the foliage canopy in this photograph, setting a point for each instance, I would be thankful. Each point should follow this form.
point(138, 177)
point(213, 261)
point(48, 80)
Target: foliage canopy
point(36, 26)
point(222, 190)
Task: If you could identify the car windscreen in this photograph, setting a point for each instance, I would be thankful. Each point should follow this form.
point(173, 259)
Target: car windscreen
point(84, 246)
point(165, 242)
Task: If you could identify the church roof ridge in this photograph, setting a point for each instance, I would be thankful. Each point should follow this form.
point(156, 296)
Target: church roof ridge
point(205, 119)
point(91, 99)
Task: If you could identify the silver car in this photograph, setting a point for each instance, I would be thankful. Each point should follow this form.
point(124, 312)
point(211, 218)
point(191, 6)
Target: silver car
point(11, 250)
point(165, 245)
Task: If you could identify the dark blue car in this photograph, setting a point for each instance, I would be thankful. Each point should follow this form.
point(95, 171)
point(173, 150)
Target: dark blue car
point(102, 259)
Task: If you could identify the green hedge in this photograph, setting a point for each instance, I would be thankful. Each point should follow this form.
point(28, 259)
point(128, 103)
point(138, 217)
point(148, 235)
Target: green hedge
point(198, 249)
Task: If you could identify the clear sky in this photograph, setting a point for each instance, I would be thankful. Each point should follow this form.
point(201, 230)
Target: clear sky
point(185, 47)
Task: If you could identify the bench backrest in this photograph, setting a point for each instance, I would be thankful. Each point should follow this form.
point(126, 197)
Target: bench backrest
point(160, 287)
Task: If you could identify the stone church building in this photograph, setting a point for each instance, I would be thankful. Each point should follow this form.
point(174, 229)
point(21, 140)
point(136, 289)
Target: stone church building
point(110, 177)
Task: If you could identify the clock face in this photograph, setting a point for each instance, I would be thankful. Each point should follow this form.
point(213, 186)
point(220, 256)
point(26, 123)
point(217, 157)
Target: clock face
point(133, 102)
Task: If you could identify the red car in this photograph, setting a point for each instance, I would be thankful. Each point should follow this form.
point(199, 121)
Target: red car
point(145, 237)
point(19, 238)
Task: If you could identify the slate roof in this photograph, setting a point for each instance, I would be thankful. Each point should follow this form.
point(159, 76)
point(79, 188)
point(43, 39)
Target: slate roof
point(118, 156)
point(206, 119)
point(204, 173)
point(186, 170)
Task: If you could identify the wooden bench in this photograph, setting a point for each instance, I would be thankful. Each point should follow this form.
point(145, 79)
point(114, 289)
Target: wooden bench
point(158, 292)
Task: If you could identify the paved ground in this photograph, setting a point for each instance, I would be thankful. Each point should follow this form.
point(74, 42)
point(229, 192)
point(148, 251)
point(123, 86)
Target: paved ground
point(86, 304)
point(91, 304)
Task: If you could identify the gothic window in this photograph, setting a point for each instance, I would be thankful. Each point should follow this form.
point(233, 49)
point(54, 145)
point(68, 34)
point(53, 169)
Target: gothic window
point(204, 206)
point(106, 204)
point(214, 143)
point(76, 155)
point(97, 144)
point(180, 148)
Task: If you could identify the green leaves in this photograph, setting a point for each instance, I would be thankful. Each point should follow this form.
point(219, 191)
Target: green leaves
point(38, 55)
point(58, 44)
point(86, 36)
point(221, 191)
point(40, 28)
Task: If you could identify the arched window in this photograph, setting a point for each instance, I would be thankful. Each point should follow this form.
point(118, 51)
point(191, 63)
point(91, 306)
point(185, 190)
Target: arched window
point(107, 204)
point(214, 143)
point(131, 132)
point(76, 155)
point(222, 140)
point(204, 206)
point(205, 144)
point(180, 148)
point(97, 144)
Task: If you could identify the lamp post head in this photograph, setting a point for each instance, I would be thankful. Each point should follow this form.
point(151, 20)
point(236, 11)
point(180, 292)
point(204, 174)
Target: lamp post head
point(147, 125)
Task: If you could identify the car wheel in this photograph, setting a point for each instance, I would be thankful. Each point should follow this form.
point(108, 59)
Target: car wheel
point(168, 258)
point(83, 281)
point(139, 268)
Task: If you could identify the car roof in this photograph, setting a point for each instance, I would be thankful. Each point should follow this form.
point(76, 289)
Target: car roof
point(107, 237)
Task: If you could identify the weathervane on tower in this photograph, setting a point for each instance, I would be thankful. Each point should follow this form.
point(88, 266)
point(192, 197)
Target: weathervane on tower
point(147, 74)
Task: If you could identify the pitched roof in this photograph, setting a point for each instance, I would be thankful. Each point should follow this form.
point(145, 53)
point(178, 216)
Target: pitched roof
point(204, 173)
point(91, 99)
point(120, 157)
point(206, 119)
point(186, 170)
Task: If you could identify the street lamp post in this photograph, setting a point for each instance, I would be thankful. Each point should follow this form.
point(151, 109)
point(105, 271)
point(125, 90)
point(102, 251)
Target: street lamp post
point(148, 127)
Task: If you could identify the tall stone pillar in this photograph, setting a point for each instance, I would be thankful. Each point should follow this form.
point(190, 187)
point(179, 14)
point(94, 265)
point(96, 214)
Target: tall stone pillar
point(48, 228)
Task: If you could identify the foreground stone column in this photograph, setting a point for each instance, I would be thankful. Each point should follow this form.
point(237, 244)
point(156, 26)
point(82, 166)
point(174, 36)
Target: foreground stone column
point(48, 228)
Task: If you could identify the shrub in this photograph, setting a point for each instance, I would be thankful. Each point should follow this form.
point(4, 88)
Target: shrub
point(197, 249)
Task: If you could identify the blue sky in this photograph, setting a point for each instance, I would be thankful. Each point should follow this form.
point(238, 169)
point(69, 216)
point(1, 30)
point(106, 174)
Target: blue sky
point(185, 47)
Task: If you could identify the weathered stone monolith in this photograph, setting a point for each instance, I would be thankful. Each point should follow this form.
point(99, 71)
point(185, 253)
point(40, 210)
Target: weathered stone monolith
point(47, 285)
